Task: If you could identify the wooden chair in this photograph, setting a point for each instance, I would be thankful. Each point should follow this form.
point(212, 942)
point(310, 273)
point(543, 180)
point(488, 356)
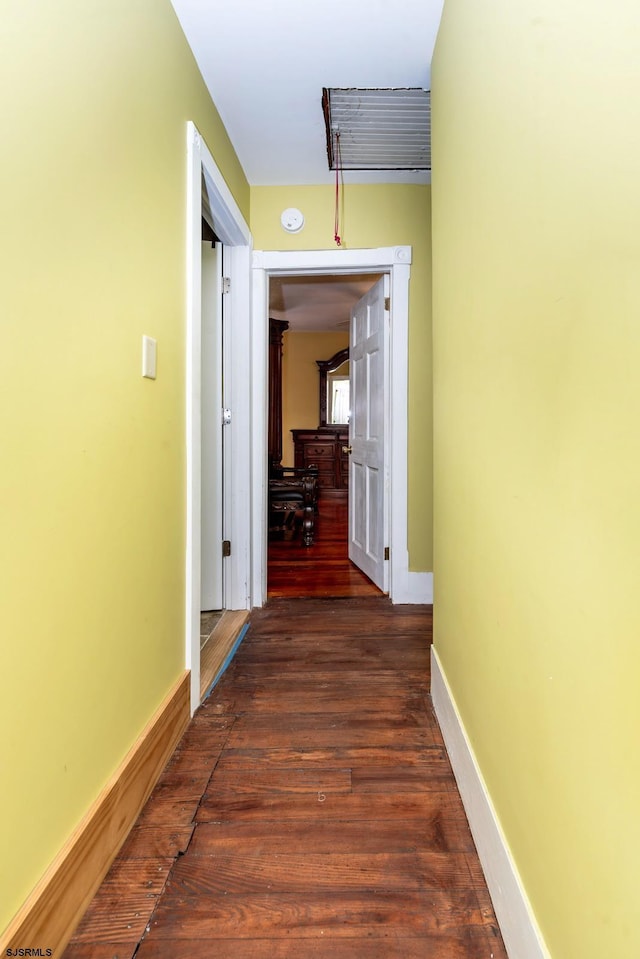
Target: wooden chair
point(293, 500)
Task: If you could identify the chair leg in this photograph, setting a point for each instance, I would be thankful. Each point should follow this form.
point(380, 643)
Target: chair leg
point(307, 525)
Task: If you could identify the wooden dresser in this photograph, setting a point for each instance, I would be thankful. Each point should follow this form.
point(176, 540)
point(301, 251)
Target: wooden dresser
point(322, 447)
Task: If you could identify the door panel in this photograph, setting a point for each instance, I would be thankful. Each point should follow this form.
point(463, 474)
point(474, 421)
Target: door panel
point(358, 493)
point(367, 504)
point(211, 596)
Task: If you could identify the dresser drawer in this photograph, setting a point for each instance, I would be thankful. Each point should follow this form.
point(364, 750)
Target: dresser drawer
point(318, 450)
point(326, 479)
point(321, 448)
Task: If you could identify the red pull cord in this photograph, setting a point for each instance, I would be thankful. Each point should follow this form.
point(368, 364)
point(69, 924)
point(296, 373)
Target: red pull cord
point(336, 228)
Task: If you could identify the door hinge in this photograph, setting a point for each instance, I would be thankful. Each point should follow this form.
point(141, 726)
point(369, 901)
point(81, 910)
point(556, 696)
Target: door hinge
point(226, 547)
point(387, 303)
point(386, 552)
point(226, 284)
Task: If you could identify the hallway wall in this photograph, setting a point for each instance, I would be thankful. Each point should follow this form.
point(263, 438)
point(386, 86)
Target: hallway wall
point(536, 206)
point(96, 97)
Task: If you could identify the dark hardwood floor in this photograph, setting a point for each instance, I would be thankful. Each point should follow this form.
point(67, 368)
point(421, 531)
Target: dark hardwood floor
point(323, 569)
point(309, 811)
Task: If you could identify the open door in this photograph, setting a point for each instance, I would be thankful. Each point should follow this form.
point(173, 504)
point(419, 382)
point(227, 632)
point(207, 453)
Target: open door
point(367, 484)
point(212, 596)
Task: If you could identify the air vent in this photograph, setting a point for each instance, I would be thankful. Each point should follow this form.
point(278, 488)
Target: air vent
point(379, 129)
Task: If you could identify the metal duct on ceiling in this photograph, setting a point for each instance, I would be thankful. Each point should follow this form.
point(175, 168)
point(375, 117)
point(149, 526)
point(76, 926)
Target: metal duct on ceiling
point(379, 129)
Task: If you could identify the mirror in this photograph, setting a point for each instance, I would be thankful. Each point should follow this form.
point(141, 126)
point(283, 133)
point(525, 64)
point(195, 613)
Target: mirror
point(334, 389)
point(338, 397)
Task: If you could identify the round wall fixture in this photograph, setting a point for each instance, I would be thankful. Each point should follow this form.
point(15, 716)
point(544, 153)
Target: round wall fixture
point(292, 220)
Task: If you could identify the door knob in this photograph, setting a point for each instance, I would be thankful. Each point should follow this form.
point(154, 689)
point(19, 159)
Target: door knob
point(347, 449)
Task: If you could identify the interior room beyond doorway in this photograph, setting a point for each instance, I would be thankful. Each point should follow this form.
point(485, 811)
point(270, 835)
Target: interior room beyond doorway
point(309, 417)
point(322, 570)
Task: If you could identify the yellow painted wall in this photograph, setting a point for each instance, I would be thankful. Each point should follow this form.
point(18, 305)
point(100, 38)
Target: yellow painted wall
point(95, 99)
point(301, 381)
point(374, 216)
point(536, 207)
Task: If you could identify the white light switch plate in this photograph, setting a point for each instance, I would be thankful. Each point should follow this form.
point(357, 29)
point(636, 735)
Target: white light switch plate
point(149, 357)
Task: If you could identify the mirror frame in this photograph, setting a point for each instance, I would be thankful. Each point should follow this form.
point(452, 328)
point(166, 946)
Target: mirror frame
point(325, 367)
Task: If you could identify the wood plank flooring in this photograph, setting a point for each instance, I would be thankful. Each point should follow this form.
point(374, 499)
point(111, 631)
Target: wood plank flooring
point(323, 569)
point(309, 811)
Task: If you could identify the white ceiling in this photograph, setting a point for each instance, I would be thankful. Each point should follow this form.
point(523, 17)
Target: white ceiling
point(265, 64)
point(317, 303)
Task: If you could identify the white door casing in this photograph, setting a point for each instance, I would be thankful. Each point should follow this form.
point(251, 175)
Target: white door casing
point(404, 586)
point(234, 233)
point(368, 486)
point(212, 433)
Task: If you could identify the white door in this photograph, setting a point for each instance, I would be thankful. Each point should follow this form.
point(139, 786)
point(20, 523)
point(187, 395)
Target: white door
point(367, 483)
point(211, 595)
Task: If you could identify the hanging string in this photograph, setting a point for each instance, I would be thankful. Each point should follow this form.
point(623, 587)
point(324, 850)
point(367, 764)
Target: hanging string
point(339, 181)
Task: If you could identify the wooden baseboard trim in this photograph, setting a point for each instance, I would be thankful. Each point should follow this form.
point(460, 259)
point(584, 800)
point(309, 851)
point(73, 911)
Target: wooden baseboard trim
point(520, 931)
point(53, 910)
point(214, 655)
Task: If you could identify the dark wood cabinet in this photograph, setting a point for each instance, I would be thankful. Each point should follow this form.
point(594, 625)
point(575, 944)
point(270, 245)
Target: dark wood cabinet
point(322, 447)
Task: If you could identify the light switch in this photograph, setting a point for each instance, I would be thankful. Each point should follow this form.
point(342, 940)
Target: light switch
point(149, 357)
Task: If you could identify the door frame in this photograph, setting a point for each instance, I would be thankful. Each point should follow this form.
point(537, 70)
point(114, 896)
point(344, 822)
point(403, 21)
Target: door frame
point(396, 261)
point(233, 231)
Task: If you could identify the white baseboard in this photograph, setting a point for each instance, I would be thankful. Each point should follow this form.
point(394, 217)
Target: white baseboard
point(413, 588)
point(520, 932)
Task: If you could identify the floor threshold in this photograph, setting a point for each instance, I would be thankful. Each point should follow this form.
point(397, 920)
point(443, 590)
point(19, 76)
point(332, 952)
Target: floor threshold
point(215, 654)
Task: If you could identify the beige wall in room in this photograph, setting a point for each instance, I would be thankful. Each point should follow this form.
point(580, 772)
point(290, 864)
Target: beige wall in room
point(536, 207)
point(375, 216)
point(96, 97)
point(300, 381)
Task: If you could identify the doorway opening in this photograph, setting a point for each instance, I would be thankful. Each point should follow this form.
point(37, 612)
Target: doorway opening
point(310, 417)
point(212, 524)
point(395, 262)
point(220, 626)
